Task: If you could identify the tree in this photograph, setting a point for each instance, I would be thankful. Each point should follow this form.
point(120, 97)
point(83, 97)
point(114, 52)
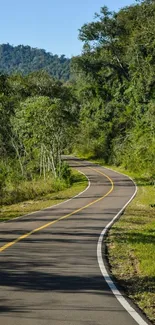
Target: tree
point(115, 85)
point(24, 60)
point(41, 127)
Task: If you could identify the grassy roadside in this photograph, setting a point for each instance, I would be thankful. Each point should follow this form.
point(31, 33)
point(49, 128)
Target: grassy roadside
point(79, 183)
point(131, 245)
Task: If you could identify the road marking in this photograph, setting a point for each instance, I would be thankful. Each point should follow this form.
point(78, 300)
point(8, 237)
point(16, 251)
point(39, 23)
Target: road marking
point(133, 313)
point(6, 246)
point(104, 272)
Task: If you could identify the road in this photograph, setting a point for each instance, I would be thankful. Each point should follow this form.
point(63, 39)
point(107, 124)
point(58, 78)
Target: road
point(50, 267)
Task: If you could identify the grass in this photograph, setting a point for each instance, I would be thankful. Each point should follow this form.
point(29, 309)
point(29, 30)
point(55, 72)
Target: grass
point(131, 244)
point(45, 195)
point(131, 250)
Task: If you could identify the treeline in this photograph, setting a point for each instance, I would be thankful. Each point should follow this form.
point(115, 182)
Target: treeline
point(107, 111)
point(38, 115)
point(116, 87)
point(25, 59)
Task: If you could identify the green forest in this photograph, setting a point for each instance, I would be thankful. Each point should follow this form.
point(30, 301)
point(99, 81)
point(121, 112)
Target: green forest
point(116, 87)
point(106, 111)
point(25, 59)
point(38, 115)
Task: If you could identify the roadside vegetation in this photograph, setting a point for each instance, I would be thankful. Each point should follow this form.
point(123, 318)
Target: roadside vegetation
point(131, 243)
point(38, 116)
point(105, 112)
point(131, 247)
point(38, 195)
point(116, 89)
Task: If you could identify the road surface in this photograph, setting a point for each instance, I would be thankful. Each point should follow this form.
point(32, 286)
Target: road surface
point(49, 264)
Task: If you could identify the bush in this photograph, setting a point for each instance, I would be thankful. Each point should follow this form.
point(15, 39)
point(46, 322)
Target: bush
point(65, 173)
point(3, 175)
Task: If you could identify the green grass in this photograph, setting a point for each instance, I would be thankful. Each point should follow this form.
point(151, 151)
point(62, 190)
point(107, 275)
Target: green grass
point(131, 249)
point(131, 244)
point(45, 195)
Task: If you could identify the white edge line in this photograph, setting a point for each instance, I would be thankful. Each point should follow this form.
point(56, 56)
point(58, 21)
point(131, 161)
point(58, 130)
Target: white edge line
point(104, 272)
point(134, 314)
point(52, 206)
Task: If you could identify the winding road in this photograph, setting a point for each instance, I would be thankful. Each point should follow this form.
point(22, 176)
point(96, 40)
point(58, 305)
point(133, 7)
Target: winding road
point(52, 263)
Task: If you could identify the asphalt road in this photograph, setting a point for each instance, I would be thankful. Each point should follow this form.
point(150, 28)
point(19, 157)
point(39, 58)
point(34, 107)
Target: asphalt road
point(49, 271)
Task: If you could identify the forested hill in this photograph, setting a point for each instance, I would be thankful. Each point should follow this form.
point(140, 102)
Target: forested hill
point(25, 59)
point(108, 111)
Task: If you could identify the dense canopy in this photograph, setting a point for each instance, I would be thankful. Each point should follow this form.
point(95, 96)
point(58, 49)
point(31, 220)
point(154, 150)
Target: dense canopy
point(116, 87)
point(106, 111)
point(25, 59)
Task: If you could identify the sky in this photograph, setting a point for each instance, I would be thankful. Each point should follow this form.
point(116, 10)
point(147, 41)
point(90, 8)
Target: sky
point(50, 24)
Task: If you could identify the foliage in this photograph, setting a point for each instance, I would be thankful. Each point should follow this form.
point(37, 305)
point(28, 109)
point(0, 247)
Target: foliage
point(38, 116)
point(40, 195)
point(115, 86)
point(131, 250)
point(24, 59)
point(107, 111)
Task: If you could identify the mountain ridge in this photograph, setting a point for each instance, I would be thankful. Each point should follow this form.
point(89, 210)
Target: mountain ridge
point(25, 59)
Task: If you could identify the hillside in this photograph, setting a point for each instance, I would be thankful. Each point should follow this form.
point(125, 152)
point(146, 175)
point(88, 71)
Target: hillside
point(25, 59)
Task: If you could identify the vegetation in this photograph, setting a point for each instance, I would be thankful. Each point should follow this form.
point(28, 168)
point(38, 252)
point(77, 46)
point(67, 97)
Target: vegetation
point(38, 116)
point(25, 59)
point(131, 250)
point(113, 88)
point(131, 244)
point(38, 195)
point(107, 112)
point(116, 88)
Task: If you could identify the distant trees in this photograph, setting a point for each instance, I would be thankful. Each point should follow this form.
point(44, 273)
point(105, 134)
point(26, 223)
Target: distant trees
point(24, 59)
point(107, 111)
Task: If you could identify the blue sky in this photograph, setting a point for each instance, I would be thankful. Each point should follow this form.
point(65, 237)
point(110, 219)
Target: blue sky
point(50, 24)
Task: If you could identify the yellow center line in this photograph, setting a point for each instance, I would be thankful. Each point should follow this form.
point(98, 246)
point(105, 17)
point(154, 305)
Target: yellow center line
point(61, 218)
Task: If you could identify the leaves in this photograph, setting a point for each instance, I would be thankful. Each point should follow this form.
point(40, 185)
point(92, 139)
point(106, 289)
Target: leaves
point(24, 60)
point(116, 86)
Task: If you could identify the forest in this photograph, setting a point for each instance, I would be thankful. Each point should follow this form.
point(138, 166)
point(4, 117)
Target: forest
point(106, 111)
point(116, 87)
point(25, 59)
point(99, 105)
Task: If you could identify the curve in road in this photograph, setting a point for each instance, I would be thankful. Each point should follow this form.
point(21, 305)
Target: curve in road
point(50, 275)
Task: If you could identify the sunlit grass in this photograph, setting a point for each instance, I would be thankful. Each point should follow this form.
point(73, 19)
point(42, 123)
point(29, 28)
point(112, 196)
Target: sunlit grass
point(131, 243)
point(131, 249)
point(47, 196)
